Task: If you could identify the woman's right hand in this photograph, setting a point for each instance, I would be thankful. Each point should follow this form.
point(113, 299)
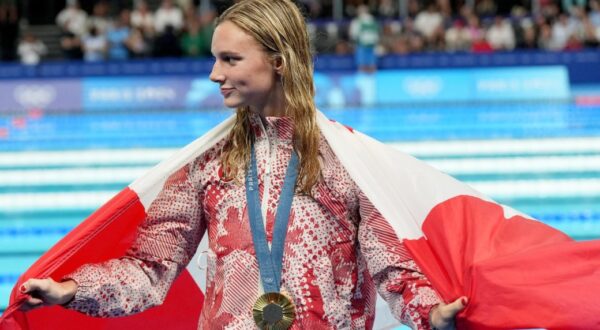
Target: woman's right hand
point(47, 292)
point(442, 315)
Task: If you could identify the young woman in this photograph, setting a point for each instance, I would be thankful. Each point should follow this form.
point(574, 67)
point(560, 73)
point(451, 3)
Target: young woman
point(293, 242)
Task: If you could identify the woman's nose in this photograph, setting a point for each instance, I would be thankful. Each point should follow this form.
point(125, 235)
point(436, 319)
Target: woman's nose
point(215, 74)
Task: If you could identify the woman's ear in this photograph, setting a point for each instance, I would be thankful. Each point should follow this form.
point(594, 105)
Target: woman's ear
point(278, 65)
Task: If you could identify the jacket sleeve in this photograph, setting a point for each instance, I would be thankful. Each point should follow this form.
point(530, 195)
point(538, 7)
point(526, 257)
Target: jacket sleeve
point(165, 243)
point(398, 279)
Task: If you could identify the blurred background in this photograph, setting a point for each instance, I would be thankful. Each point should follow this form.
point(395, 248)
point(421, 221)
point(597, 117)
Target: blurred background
point(504, 95)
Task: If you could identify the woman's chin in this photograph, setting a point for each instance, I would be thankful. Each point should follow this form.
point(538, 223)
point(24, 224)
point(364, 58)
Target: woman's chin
point(230, 103)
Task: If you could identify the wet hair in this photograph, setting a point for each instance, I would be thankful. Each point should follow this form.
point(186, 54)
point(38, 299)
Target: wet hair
point(278, 25)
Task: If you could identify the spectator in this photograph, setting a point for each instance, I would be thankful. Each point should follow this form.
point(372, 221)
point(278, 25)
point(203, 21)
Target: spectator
point(167, 44)
point(9, 29)
point(576, 20)
point(31, 49)
point(326, 38)
point(545, 37)
point(94, 46)
point(413, 8)
point(481, 45)
point(465, 12)
point(117, 37)
point(549, 9)
point(416, 41)
point(137, 44)
point(529, 35)
point(589, 33)
point(430, 23)
point(391, 33)
point(192, 40)
point(476, 32)
point(438, 41)
point(400, 46)
point(568, 5)
point(343, 47)
point(562, 30)
point(168, 15)
point(143, 19)
point(72, 19)
point(501, 35)
point(517, 15)
point(100, 18)
point(387, 9)
point(197, 37)
point(351, 7)
point(184, 4)
point(594, 13)
point(458, 37)
point(207, 22)
point(445, 8)
point(364, 31)
point(70, 44)
point(191, 15)
point(573, 43)
point(486, 8)
point(578, 36)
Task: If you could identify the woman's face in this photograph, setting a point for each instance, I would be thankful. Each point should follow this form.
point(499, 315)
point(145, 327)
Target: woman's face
point(246, 74)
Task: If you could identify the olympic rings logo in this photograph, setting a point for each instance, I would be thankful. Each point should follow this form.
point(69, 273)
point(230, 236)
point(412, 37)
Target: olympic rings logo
point(34, 96)
point(422, 86)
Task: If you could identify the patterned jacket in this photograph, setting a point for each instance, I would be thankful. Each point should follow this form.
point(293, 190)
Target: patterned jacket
point(338, 250)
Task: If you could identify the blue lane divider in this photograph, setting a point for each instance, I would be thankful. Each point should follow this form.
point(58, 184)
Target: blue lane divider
point(9, 278)
point(385, 123)
point(571, 217)
point(33, 231)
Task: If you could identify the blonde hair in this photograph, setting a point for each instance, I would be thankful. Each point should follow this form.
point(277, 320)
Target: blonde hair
point(279, 27)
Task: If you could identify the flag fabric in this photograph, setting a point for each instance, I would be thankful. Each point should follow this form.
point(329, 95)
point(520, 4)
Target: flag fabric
point(517, 272)
point(107, 234)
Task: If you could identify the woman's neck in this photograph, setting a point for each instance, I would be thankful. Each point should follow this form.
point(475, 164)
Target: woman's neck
point(275, 106)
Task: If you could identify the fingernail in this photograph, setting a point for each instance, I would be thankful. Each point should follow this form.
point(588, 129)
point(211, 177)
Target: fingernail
point(464, 301)
point(23, 289)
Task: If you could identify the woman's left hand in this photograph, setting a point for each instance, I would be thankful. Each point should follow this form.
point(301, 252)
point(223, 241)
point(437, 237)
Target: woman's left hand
point(442, 315)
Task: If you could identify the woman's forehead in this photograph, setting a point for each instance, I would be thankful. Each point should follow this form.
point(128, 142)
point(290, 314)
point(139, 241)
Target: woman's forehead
point(228, 37)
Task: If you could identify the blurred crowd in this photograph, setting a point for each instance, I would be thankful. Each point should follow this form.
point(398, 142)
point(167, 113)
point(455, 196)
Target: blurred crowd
point(119, 30)
point(438, 26)
point(168, 31)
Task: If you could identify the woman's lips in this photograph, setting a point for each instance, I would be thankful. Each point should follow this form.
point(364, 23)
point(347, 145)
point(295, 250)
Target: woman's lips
point(226, 91)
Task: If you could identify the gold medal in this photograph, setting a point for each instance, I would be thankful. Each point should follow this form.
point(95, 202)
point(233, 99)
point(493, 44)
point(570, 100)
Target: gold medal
point(273, 311)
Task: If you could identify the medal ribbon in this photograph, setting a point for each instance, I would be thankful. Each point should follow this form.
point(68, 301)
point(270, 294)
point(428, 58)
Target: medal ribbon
point(270, 262)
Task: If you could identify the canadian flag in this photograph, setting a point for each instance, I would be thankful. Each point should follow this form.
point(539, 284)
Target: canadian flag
point(517, 272)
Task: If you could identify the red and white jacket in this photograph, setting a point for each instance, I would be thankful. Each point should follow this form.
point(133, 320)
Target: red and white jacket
point(338, 251)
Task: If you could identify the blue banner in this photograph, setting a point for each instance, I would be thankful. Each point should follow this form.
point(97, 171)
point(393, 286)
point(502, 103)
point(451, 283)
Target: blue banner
point(466, 85)
point(334, 89)
point(388, 87)
point(134, 93)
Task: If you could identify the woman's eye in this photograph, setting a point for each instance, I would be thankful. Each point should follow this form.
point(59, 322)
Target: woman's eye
point(230, 60)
